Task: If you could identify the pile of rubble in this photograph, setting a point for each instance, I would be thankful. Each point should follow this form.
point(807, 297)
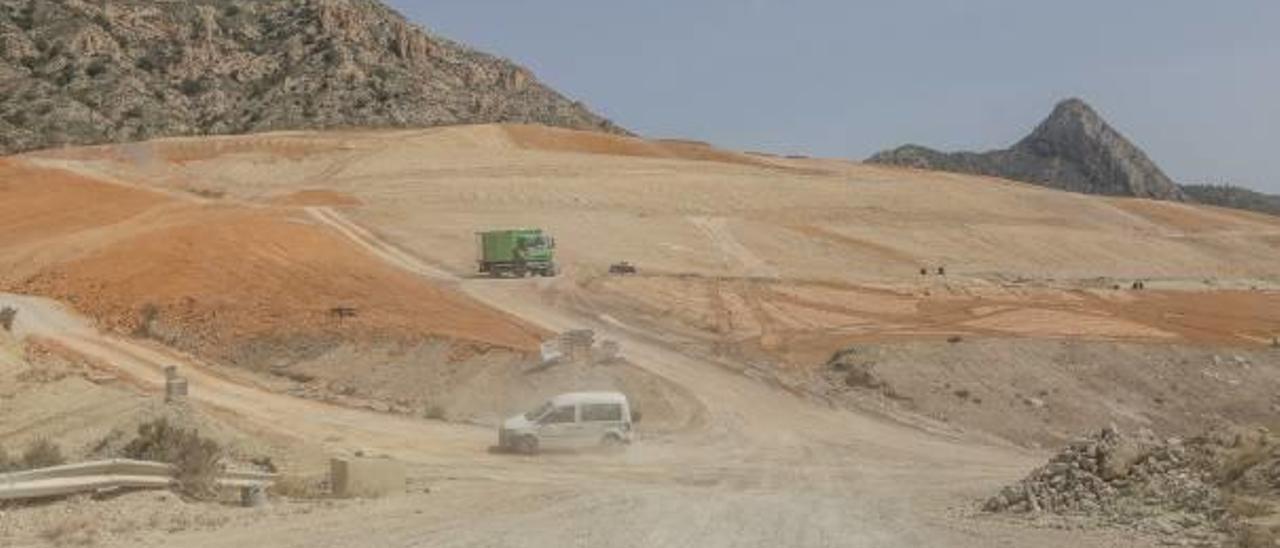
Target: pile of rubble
point(1168, 487)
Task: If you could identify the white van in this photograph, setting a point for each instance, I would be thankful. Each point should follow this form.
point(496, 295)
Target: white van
point(567, 421)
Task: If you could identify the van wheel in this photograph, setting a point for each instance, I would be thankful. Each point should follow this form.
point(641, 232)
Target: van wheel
point(611, 441)
point(526, 445)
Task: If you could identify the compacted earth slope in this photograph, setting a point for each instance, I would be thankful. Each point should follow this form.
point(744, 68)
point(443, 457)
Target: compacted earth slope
point(859, 352)
point(266, 289)
point(775, 265)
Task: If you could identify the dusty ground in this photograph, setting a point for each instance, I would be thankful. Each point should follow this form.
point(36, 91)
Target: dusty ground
point(754, 270)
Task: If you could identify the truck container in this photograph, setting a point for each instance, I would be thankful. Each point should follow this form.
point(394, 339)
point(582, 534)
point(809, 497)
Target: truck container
point(519, 253)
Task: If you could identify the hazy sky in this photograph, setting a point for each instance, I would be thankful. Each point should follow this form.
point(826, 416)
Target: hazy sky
point(1195, 83)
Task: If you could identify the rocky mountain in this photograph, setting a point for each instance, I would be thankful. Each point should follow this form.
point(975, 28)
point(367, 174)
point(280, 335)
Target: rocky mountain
point(1073, 149)
point(1234, 197)
point(84, 72)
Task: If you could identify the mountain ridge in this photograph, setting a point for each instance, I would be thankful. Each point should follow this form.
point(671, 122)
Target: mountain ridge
point(80, 73)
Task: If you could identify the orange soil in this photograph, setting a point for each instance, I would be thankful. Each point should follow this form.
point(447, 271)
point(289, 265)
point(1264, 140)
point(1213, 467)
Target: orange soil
point(40, 204)
point(800, 317)
point(563, 140)
point(223, 274)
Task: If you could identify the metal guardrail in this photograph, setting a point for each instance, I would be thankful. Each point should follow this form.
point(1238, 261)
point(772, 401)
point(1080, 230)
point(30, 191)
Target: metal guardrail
point(85, 477)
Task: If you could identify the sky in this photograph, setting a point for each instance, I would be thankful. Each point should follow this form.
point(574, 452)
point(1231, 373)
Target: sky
point(1194, 83)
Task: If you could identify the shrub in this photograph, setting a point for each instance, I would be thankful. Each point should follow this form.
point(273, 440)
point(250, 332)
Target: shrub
point(42, 453)
point(97, 68)
point(7, 315)
point(434, 412)
point(192, 87)
point(146, 318)
point(197, 459)
point(6, 465)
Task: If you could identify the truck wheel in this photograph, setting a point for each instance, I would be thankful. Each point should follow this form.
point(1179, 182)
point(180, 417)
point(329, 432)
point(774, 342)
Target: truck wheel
point(526, 445)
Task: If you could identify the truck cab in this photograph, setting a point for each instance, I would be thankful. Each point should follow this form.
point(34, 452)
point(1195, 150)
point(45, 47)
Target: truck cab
point(570, 421)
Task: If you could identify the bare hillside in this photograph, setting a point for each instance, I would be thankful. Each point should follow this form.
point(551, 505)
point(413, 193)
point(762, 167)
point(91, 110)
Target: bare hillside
point(96, 72)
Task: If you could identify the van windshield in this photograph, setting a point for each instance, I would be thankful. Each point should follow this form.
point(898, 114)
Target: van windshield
point(539, 412)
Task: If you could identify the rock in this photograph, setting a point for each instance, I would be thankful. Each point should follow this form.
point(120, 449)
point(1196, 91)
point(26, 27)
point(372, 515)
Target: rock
point(1073, 149)
point(1172, 488)
point(124, 71)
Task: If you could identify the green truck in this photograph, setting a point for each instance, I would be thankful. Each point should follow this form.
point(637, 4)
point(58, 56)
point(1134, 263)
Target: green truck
point(519, 253)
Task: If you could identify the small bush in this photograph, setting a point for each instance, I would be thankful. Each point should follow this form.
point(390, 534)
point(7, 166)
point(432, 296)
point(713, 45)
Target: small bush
point(197, 459)
point(862, 377)
point(192, 87)
point(6, 464)
point(97, 68)
point(146, 319)
point(962, 393)
point(301, 487)
point(434, 412)
point(7, 315)
point(42, 453)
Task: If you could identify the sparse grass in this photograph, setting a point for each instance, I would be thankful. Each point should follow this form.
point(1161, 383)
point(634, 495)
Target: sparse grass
point(1251, 453)
point(197, 459)
point(1258, 536)
point(42, 453)
point(301, 487)
point(1249, 507)
point(71, 531)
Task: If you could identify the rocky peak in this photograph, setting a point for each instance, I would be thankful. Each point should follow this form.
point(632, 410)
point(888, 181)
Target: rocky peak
point(1073, 149)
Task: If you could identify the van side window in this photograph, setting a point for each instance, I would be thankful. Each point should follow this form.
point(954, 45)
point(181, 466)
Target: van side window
point(560, 416)
point(601, 412)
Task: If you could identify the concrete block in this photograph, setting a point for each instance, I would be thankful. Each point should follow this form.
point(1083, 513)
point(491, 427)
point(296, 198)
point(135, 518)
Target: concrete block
point(360, 477)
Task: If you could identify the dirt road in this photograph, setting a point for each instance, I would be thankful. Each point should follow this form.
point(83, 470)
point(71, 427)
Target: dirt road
point(760, 467)
point(764, 468)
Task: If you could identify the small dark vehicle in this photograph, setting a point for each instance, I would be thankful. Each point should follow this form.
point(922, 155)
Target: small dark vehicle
point(622, 268)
